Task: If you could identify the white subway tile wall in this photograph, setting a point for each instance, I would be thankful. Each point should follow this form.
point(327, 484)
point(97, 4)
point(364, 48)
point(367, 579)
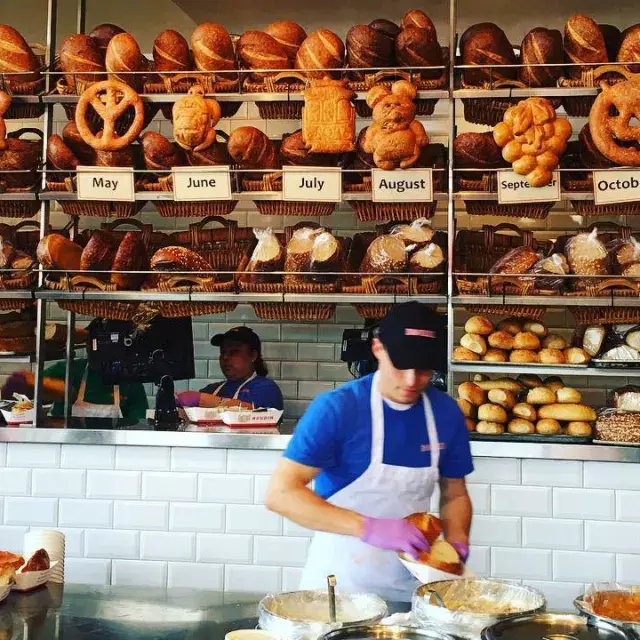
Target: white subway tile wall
point(203, 523)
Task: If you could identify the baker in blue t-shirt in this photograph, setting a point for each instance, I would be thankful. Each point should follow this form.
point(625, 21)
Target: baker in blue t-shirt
point(376, 449)
point(245, 373)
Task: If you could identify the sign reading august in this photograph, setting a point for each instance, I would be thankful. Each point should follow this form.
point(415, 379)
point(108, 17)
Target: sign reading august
point(106, 183)
point(201, 183)
point(409, 185)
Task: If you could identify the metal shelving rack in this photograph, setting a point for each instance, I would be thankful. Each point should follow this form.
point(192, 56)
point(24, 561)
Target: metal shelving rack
point(452, 198)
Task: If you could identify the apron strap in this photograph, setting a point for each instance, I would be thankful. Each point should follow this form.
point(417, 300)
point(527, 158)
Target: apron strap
point(238, 390)
point(432, 431)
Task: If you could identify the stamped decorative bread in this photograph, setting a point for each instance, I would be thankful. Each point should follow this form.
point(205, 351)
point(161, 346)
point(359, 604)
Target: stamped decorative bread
point(194, 120)
point(329, 117)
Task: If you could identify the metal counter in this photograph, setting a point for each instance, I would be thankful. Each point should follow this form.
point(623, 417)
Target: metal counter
point(144, 434)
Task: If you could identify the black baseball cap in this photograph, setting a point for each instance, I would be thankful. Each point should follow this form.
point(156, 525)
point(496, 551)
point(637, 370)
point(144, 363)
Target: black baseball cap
point(242, 334)
point(415, 337)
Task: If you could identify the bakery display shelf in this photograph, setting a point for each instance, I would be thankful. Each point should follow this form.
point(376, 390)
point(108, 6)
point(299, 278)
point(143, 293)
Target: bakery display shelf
point(485, 195)
point(546, 301)
point(17, 294)
point(22, 99)
point(16, 195)
point(508, 369)
point(7, 357)
point(532, 437)
point(549, 92)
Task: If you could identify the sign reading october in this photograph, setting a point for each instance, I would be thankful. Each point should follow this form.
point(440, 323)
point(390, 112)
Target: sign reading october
point(312, 184)
point(611, 187)
point(106, 183)
point(408, 185)
point(514, 188)
point(191, 184)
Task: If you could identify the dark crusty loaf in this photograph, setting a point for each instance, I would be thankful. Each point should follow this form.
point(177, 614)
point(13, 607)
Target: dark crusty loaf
point(16, 56)
point(103, 33)
point(99, 252)
point(482, 45)
point(252, 149)
point(123, 59)
point(630, 48)
point(288, 35)
point(57, 252)
point(517, 260)
point(389, 29)
point(417, 18)
point(213, 49)
point(86, 155)
point(417, 47)
point(171, 52)
point(367, 48)
point(60, 156)
point(583, 43)
point(322, 49)
point(259, 50)
point(294, 151)
point(541, 46)
point(130, 256)
point(612, 40)
point(590, 154)
point(159, 153)
point(81, 58)
point(178, 259)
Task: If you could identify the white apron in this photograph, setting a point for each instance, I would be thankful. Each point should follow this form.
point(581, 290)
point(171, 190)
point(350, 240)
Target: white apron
point(382, 491)
point(218, 389)
point(82, 409)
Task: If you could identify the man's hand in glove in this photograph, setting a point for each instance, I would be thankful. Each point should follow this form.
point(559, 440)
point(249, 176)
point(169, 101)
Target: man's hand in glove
point(395, 535)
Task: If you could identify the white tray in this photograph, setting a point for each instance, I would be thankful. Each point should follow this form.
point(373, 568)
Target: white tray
point(425, 573)
point(19, 419)
point(252, 419)
point(33, 579)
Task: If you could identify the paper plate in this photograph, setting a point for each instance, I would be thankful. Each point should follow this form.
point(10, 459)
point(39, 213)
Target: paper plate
point(425, 573)
point(33, 579)
point(22, 418)
point(202, 415)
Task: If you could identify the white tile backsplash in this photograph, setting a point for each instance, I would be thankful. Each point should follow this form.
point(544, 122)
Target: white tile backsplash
point(252, 462)
point(199, 460)
point(101, 543)
point(545, 533)
point(143, 458)
point(42, 512)
point(226, 489)
point(557, 473)
point(243, 579)
point(58, 483)
point(15, 482)
point(611, 475)
point(169, 486)
point(166, 545)
point(627, 568)
point(575, 566)
point(628, 505)
point(521, 564)
point(184, 575)
point(197, 517)
point(521, 501)
point(291, 579)
point(280, 551)
point(85, 513)
point(221, 548)
point(139, 573)
point(139, 514)
point(501, 531)
point(87, 571)
point(495, 471)
point(12, 538)
point(86, 456)
point(254, 519)
point(559, 595)
point(113, 484)
point(33, 455)
point(590, 504)
point(619, 537)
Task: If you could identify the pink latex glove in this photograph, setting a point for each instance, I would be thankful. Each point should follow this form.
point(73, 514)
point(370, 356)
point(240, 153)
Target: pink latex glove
point(394, 535)
point(463, 550)
point(188, 398)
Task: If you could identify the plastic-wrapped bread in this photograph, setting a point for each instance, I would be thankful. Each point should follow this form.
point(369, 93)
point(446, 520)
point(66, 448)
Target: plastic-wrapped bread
point(627, 398)
point(429, 259)
point(518, 260)
point(593, 338)
point(418, 233)
point(326, 258)
point(587, 256)
point(632, 338)
point(386, 254)
point(632, 271)
point(554, 267)
point(298, 254)
point(623, 252)
point(623, 353)
point(267, 257)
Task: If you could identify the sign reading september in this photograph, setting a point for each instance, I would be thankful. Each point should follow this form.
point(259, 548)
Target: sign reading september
point(312, 184)
point(514, 188)
point(611, 187)
point(106, 183)
point(193, 184)
point(408, 185)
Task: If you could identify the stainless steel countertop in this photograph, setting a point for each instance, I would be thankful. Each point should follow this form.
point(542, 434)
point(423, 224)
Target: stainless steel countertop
point(276, 440)
point(73, 612)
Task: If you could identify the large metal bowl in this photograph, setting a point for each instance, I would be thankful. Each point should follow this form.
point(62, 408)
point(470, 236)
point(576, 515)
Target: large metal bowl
point(582, 606)
point(382, 633)
point(512, 599)
point(294, 615)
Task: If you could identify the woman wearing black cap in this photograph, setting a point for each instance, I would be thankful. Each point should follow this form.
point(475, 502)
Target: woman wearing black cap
point(376, 449)
point(245, 373)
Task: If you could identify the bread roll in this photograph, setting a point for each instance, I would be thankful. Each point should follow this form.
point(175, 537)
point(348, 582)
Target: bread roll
point(548, 427)
point(123, 58)
point(502, 397)
point(471, 424)
point(500, 383)
point(526, 340)
point(495, 355)
point(213, 49)
point(174, 258)
point(530, 380)
point(472, 393)
point(158, 152)
point(289, 36)
point(521, 426)
point(474, 343)
point(416, 47)
point(478, 324)
point(579, 429)
point(461, 354)
point(541, 46)
point(57, 252)
point(541, 395)
point(482, 45)
point(322, 49)
point(575, 355)
point(258, 50)
point(429, 525)
point(551, 356)
point(510, 325)
point(492, 413)
point(526, 411)
point(489, 428)
point(468, 410)
point(553, 382)
point(568, 412)
point(523, 356)
point(554, 341)
point(536, 328)
point(252, 149)
point(583, 42)
point(501, 340)
point(367, 48)
point(81, 59)
point(103, 33)
point(476, 150)
point(568, 395)
point(16, 56)
point(171, 52)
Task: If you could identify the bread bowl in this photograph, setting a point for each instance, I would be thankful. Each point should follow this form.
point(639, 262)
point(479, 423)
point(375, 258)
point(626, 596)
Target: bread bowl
point(548, 427)
point(472, 393)
point(479, 324)
point(444, 557)
point(521, 426)
point(541, 395)
point(474, 343)
point(526, 411)
point(502, 397)
point(489, 428)
point(492, 413)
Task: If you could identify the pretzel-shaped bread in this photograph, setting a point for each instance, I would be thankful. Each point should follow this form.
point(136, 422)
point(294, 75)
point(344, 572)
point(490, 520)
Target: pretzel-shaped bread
point(110, 99)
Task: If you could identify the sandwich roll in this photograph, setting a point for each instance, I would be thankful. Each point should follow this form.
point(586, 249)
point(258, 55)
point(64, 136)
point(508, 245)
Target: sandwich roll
point(526, 340)
point(463, 354)
point(479, 325)
point(510, 325)
point(541, 395)
point(474, 343)
point(548, 427)
point(568, 412)
point(468, 410)
point(495, 355)
point(568, 395)
point(530, 380)
point(526, 411)
point(554, 341)
point(579, 429)
point(521, 426)
point(443, 557)
point(525, 356)
point(471, 424)
point(490, 428)
point(429, 526)
point(492, 413)
point(551, 356)
point(502, 397)
point(553, 382)
point(500, 383)
point(472, 393)
point(576, 355)
point(501, 340)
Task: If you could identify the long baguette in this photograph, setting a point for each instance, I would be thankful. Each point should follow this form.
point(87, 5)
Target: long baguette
point(567, 412)
point(503, 383)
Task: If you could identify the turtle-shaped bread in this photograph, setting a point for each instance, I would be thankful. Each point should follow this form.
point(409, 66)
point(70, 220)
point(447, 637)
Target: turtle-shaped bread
point(194, 120)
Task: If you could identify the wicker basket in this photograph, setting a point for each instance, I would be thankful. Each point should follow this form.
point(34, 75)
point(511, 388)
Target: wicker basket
point(380, 285)
point(34, 87)
point(580, 106)
point(18, 208)
point(613, 425)
point(513, 310)
point(153, 240)
point(478, 251)
point(95, 208)
point(285, 83)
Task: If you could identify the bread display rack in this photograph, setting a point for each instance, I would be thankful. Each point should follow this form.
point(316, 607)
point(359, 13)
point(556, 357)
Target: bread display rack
point(483, 99)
